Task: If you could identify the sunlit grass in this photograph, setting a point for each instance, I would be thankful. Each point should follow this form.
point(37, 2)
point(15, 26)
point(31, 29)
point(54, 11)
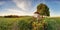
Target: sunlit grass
point(24, 23)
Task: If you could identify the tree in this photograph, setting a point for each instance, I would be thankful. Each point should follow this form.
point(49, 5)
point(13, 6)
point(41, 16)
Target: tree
point(43, 9)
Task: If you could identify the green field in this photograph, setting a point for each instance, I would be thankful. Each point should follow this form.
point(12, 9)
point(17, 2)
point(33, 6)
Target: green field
point(23, 23)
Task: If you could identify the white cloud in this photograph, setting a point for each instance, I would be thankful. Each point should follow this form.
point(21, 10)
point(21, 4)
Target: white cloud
point(14, 11)
point(23, 8)
point(23, 4)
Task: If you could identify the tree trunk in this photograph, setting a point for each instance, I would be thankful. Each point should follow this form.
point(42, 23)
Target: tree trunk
point(42, 16)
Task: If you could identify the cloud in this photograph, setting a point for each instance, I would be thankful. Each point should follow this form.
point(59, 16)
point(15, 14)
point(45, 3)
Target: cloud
point(2, 2)
point(23, 7)
point(14, 11)
point(23, 4)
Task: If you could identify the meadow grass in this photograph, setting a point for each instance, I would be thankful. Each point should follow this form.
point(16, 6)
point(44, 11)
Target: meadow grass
point(23, 23)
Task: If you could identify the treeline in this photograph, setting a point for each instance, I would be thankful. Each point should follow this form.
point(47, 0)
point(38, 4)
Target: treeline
point(13, 16)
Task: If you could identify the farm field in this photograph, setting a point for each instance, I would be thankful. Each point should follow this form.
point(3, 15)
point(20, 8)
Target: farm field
point(23, 23)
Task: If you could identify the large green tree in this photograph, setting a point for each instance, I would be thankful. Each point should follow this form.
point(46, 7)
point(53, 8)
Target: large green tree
point(43, 9)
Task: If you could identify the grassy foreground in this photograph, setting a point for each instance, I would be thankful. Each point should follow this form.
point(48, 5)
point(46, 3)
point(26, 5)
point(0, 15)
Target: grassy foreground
point(23, 23)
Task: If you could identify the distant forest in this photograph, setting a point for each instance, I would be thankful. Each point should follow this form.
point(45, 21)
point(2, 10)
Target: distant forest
point(12, 16)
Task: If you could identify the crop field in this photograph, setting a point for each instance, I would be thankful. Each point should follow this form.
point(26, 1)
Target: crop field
point(23, 23)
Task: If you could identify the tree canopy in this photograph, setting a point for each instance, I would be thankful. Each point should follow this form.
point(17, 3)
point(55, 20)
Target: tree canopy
point(43, 9)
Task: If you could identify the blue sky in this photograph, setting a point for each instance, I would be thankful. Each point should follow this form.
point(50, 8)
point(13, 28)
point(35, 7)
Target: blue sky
point(27, 7)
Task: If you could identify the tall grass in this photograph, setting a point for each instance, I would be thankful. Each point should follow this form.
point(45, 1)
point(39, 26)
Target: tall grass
point(24, 23)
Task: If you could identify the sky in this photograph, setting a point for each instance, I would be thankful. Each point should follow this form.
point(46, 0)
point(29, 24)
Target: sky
point(27, 7)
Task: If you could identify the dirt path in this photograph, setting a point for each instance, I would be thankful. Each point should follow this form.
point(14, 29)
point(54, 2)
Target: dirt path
point(15, 26)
